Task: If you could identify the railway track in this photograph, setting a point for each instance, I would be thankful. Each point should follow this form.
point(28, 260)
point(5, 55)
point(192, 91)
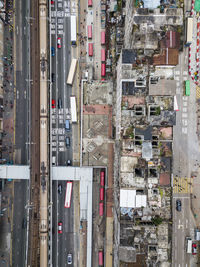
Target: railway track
point(33, 242)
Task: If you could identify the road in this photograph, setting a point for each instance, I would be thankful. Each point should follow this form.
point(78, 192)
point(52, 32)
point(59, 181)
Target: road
point(61, 92)
point(63, 244)
point(22, 130)
point(185, 157)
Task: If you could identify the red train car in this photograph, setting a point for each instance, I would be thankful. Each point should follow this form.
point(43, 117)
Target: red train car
point(103, 55)
point(89, 30)
point(102, 178)
point(101, 209)
point(101, 193)
point(89, 3)
point(100, 258)
point(103, 38)
point(90, 49)
point(103, 69)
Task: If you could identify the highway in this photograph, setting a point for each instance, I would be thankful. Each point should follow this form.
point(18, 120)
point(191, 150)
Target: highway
point(63, 244)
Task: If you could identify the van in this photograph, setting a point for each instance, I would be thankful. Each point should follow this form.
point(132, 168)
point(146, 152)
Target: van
point(59, 103)
point(67, 141)
point(67, 125)
point(69, 258)
point(53, 160)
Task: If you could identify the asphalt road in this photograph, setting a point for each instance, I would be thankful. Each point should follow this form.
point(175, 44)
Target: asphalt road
point(60, 90)
point(19, 232)
point(63, 244)
point(185, 157)
point(22, 83)
point(21, 131)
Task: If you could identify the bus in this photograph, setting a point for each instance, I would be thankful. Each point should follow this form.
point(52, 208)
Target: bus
point(189, 30)
point(189, 245)
point(73, 109)
point(72, 70)
point(90, 49)
point(187, 88)
point(68, 195)
point(73, 30)
point(89, 31)
point(103, 38)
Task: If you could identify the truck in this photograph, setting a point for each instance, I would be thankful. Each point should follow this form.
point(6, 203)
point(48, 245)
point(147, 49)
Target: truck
point(73, 30)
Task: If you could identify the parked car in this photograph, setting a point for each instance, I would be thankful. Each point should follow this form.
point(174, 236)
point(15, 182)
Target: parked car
point(69, 258)
point(60, 227)
point(178, 205)
point(59, 42)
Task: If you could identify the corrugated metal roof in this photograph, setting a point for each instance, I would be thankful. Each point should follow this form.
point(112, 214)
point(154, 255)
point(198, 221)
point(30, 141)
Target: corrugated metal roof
point(168, 56)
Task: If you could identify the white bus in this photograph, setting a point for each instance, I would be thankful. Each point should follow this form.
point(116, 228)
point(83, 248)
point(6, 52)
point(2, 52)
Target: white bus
point(189, 245)
point(72, 70)
point(73, 109)
point(73, 30)
point(68, 195)
point(189, 30)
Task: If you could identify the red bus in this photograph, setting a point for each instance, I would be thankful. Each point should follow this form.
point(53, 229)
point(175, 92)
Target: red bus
point(103, 55)
point(90, 49)
point(103, 38)
point(100, 258)
point(103, 69)
point(68, 195)
point(89, 29)
point(102, 178)
point(89, 3)
point(101, 209)
point(101, 193)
